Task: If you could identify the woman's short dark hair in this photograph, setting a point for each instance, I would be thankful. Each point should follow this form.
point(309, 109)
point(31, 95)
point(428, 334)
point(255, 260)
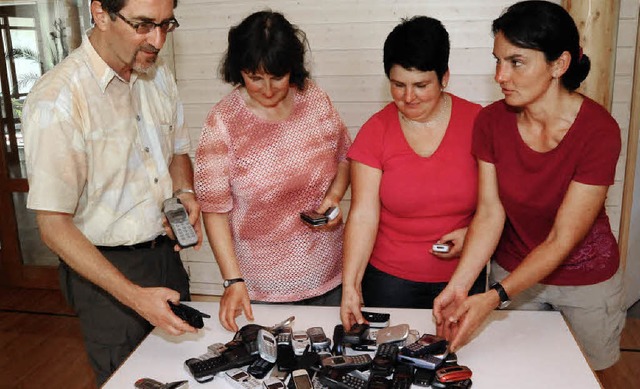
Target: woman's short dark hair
point(420, 43)
point(265, 41)
point(546, 27)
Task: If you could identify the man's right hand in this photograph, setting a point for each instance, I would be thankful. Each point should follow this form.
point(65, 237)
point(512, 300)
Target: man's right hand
point(151, 303)
point(235, 300)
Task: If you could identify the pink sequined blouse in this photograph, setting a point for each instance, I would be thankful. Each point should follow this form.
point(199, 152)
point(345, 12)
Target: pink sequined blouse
point(264, 174)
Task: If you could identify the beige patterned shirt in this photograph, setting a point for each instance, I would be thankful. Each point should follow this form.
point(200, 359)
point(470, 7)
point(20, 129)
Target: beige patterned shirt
point(98, 147)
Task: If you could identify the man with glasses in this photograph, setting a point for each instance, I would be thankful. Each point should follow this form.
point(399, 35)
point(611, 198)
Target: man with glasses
point(105, 144)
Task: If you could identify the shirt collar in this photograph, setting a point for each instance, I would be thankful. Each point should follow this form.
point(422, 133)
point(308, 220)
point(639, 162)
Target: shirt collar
point(103, 73)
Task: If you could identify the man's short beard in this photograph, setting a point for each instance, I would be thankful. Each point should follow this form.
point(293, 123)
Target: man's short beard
point(143, 67)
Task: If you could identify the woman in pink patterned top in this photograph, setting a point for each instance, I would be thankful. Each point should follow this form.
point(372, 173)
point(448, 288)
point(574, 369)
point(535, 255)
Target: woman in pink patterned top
point(272, 148)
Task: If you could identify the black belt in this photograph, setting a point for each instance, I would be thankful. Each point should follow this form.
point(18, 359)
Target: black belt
point(157, 241)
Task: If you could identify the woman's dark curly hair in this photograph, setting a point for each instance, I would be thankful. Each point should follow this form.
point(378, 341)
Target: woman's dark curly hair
point(265, 41)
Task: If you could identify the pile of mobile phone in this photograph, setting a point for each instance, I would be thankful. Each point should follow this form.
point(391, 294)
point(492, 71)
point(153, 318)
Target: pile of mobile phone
point(374, 355)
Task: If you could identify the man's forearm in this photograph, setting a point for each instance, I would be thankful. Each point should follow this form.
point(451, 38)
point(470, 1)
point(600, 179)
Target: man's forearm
point(181, 171)
point(60, 234)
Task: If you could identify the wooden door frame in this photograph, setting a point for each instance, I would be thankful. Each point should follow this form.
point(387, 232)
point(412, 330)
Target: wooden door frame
point(13, 272)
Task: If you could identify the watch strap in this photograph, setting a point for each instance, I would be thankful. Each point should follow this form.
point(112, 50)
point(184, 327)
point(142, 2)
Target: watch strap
point(231, 281)
point(504, 297)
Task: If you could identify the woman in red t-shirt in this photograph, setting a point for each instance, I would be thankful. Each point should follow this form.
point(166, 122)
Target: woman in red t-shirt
point(414, 180)
point(546, 157)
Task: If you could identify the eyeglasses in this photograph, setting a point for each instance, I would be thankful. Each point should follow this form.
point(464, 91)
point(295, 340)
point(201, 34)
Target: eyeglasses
point(148, 26)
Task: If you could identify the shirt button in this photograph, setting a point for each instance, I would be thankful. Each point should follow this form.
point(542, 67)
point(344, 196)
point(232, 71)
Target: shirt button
point(138, 117)
point(155, 180)
point(146, 149)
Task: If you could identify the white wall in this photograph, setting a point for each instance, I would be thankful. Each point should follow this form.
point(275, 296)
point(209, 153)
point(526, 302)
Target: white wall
point(346, 39)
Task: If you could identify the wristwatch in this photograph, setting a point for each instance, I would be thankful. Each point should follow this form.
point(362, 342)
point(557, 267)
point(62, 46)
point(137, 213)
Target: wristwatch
point(504, 297)
point(183, 190)
point(228, 283)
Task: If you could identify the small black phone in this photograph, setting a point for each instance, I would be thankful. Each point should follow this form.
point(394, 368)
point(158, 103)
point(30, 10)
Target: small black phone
point(423, 377)
point(355, 333)
point(314, 218)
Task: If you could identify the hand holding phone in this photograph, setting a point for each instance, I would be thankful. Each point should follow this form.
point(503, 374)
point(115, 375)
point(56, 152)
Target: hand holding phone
point(178, 219)
point(442, 247)
point(315, 219)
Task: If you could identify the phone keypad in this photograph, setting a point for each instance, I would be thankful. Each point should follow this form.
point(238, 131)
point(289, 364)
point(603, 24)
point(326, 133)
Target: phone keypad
point(385, 359)
point(354, 382)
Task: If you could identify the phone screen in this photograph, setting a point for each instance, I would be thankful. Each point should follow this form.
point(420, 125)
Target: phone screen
point(302, 381)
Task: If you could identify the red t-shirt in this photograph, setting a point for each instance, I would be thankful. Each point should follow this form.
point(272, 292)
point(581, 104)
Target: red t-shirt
point(421, 198)
point(532, 186)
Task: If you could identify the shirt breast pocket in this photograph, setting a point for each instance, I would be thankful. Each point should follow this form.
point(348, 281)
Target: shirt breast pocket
point(165, 137)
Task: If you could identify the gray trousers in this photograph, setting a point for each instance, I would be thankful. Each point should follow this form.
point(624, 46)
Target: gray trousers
point(110, 329)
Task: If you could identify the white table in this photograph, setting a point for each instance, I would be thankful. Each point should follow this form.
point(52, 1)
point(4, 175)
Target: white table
point(515, 349)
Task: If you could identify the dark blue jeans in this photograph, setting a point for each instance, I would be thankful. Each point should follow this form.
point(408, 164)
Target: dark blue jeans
point(380, 289)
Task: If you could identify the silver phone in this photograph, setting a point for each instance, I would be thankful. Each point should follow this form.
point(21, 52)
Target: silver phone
point(179, 221)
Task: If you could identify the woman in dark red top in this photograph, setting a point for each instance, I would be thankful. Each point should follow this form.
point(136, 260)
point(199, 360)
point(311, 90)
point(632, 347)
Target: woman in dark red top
point(546, 157)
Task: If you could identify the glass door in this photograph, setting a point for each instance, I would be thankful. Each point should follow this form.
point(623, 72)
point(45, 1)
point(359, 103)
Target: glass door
point(34, 37)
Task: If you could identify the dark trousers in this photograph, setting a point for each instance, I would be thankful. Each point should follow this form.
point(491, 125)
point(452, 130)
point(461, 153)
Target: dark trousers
point(110, 329)
point(380, 289)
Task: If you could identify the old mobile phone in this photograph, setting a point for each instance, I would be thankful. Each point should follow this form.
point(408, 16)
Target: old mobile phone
point(385, 359)
point(179, 221)
point(465, 384)
point(260, 368)
point(441, 247)
point(299, 341)
point(338, 337)
point(347, 362)
point(341, 379)
point(378, 382)
point(422, 377)
point(355, 334)
point(240, 379)
point(205, 370)
point(191, 315)
point(284, 337)
point(267, 346)
point(428, 361)
point(286, 360)
point(319, 340)
point(453, 374)
point(283, 326)
point(150, 383)
point(393, 334)
point(301, 379)
point(316, 219)
point(216, 348)
point(376, 319)
point(402, 376)
point(427, 344)
point(279, 374)
point(273, 383)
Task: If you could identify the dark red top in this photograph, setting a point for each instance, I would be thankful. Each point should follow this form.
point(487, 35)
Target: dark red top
point(532, 186)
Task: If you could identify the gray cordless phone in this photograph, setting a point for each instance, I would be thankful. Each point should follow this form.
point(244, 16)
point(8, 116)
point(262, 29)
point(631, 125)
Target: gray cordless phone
point(179, 220)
